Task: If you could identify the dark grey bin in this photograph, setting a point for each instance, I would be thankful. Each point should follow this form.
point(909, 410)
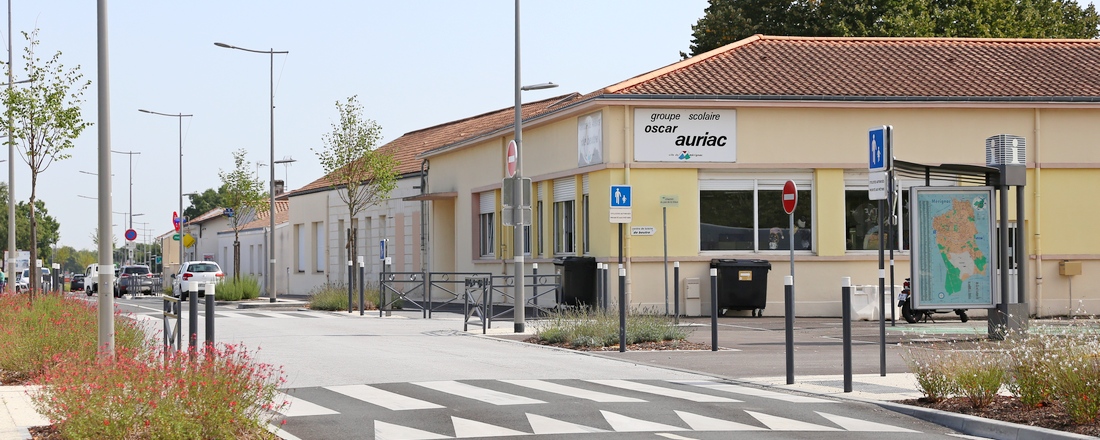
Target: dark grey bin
point(742, 284)
point(578, 280)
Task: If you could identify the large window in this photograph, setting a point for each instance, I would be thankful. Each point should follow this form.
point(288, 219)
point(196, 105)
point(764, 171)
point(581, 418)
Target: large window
point(538, 215)
point(299, 231)
point(563, 227)
point(747, 214)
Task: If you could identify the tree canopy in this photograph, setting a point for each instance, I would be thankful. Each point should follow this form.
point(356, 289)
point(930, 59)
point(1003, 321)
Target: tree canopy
point(205, 201)
point(727, 21)
point(48, 227)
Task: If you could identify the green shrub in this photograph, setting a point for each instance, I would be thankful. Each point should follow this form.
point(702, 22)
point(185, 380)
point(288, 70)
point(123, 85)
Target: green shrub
point(978, 376)
point(931, 368)
point(334, 297)
point(238, 288)
point(585, 327)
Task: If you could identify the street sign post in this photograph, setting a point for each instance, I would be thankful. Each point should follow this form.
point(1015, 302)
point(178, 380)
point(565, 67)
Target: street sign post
point(880, 160)
point(667, 201)
point(790, 201)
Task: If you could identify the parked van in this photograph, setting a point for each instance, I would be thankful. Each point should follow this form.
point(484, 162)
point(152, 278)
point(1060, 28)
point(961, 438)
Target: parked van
point(91, 279)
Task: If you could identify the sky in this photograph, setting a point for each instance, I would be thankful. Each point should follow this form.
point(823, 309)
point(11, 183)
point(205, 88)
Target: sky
point(412, 64)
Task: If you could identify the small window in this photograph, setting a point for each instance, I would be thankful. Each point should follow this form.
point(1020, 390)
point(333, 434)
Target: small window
point(564, 241)
point(486, 232)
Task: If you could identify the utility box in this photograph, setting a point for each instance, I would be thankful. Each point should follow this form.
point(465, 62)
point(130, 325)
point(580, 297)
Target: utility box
point(578, 280)
point(693, 305)
point(1069, 268)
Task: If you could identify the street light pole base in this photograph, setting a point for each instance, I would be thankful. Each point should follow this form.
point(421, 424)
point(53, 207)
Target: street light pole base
point(519, 327)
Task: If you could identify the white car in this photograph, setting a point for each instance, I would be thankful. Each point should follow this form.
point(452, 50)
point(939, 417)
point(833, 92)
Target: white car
point(22, 279)
point(201, 271)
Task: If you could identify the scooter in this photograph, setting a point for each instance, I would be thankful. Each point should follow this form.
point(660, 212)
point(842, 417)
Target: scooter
point(913, 316)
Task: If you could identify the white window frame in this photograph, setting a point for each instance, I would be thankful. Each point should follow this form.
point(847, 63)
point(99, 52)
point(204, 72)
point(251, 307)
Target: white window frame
point(319, 244)
point(300, 233)
point(756, 182)
point(487, 224)
point(565, 233)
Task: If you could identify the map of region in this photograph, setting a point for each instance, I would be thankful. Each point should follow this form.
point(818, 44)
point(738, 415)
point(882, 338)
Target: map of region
point(955, 248)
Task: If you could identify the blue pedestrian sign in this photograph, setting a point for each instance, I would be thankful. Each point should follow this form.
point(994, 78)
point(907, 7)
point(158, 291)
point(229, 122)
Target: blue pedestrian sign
point(620, 196)
point(879, 145)
point(381, 249)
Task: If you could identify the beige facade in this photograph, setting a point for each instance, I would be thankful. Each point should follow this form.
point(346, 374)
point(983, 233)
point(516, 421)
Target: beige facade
point(821, 145)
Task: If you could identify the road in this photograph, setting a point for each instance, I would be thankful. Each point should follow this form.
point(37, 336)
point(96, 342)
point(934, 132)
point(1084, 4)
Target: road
point(402, 377)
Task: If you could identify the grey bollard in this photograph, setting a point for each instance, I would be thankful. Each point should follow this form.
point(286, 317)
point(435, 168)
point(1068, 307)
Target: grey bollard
point(676, 291)
point(788, 303)
point(192, 315)
point(209, 302)
point(351, 285)
point(846, 315)
point(622, 309)
point(713, 309)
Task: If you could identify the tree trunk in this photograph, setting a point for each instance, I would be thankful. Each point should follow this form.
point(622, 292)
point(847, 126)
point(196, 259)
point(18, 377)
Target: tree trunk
point(236, 260)
point(34, 279)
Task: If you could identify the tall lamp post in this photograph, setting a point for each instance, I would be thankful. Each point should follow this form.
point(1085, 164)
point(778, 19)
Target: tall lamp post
point(521, 206)
point(269, 282)
point(180, 116)
point(11, 171)
point(131, 154)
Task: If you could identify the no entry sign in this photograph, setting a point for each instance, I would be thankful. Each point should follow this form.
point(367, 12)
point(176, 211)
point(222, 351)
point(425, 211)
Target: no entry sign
point(513, 154)
point(790, 196)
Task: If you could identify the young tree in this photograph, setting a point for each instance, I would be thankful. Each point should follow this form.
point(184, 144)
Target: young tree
point(45, 117)
point(362, 175)
point(245, 195)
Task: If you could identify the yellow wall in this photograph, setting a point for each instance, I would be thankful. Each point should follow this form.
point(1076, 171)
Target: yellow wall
point(1069, 211)
point(830, 215)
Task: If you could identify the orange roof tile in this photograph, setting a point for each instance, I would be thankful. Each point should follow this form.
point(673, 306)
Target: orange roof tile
point(407, 147)
point(882, 69)
point(282, 215)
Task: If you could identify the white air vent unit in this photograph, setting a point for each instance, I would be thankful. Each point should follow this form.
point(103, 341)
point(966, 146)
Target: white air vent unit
point(1005, 149)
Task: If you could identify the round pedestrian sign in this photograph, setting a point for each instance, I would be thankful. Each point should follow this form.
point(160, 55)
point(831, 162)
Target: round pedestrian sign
point(131, 235)
point(513, 156)
point(790, 196)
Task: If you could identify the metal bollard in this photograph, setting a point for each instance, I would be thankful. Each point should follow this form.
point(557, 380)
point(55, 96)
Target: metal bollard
point(362, 265)
point(622, 309)
point(606, 287)
point(351, 285)
point(788, 299)
point(846, 315)
point(713, 309)
point(676, 291)
point(210, 302)
point(192, 315)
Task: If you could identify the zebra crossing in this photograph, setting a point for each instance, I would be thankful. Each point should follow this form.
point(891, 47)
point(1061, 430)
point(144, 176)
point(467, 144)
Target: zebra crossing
point(251, 314)
point(492, 408)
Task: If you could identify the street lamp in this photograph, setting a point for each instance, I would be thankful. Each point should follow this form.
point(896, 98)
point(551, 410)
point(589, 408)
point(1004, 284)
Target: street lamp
point(180, 116)
point(517, 225)
point(269, 283)
point(131, 197)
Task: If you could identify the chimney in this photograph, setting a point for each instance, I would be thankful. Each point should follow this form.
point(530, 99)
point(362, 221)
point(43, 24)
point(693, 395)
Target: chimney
point(280, 187)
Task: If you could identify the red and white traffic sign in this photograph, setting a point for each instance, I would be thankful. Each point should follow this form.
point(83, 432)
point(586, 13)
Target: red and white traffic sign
point(790, 196)
point(513, 156)
point(131, 235)
point(176, 220)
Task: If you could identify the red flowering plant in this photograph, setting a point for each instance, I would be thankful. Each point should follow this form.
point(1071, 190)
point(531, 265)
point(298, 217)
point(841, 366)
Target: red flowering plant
point(33, 335)
point(218, 393)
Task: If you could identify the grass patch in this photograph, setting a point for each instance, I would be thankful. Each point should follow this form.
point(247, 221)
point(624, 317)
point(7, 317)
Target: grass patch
point(334, 297)
point(238, 288)
point(584, 327)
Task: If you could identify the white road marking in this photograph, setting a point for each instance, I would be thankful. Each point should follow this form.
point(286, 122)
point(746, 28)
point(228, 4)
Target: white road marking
point(477, 393)
point(579, 393)
point(704, 423)
point(776, 423)
point(465, 428)
point(297, 407)
point(272, 314)
point(232, 315)
point(673, 436)
point(383, 398)
point(389, 431)
point(749, 391)
point(662, 391)
point(544, 425)
point(851, 424)
point(621, 423)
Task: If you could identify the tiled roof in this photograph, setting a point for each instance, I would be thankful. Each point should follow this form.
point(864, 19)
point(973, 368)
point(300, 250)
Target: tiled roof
point(883, 68)
point(282, 215)
point(406, 148)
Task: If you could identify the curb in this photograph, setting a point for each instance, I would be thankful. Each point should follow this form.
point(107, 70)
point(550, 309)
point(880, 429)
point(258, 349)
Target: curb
point(978, 426)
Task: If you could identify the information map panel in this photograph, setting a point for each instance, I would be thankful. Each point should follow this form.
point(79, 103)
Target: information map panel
point(953, 247)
